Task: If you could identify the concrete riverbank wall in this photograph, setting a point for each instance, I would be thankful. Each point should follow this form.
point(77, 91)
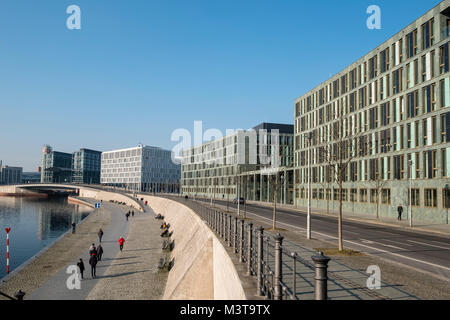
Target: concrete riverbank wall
point(110, 196)
point(202, 268)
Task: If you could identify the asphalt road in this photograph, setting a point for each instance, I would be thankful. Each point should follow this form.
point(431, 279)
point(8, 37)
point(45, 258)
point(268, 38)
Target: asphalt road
point(424, 252)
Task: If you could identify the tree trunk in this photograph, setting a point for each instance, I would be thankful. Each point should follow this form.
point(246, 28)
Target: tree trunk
point(341, 245)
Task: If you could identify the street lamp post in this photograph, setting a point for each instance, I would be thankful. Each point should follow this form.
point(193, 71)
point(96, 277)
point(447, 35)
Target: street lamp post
point(309, 136)
point(410, 193)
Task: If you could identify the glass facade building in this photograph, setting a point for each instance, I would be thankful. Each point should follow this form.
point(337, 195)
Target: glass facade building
point(86, 166)
point(56, 166)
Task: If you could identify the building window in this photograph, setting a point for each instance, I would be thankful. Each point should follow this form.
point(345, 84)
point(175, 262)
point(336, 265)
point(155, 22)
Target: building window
point(429, 98)
point(430, 198)
point(373, 195)
point(446, 198)
point(444, 162)
point(320, 194)
point(444, 58)
point(362, 195)
point(353, 195)
point(445, 92)
point(386, 196)
point(415, 197)
point(411, 44)
point(428, 66)
point(428, 34)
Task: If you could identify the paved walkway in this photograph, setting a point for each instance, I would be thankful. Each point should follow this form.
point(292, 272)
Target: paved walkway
point(133, 274)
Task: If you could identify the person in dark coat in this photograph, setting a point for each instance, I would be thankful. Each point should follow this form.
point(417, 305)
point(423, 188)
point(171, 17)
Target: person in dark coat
point(93, 262)
point(73, 227)
point(400, 211)
point(100, 235)
point(99, 252)
point(132, 213)
point(80, 265)
point(126, 215)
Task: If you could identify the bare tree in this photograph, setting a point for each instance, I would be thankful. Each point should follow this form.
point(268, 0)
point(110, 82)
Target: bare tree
point(337, 154)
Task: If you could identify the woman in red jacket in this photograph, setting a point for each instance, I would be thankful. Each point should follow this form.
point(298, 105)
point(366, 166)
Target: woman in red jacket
point(121, 241)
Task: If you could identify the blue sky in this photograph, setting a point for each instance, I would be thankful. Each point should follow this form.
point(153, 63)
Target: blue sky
point(137, 70)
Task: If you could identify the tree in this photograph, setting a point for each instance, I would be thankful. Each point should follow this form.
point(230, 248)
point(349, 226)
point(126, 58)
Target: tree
point(337, 153)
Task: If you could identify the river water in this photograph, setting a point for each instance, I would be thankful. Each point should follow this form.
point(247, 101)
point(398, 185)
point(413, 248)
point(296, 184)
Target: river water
point(35, 223)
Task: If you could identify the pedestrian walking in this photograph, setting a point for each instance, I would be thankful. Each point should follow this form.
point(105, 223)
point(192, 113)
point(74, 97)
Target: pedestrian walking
point(99, 252)
point(93, 262)
point(80, 265)
point(100, 235)
point(400, 211)
point(126, 215)
point(73, 227)
point(92, 250)
point(121, 242)
point(132, 213)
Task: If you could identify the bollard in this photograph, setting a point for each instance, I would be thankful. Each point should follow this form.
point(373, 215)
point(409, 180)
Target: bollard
point(235, 234)
point(259, 260)
point(278, 277)
point(249, 248)
point(321, 277)
point(19, 295)
point(241, 242)
point(229, 230)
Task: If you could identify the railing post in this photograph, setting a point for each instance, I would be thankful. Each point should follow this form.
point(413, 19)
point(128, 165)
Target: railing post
point(235, 234)
point(215, 221)
point(259, 261)
point(241, 242)
point(249, 248)
point(225, 227)
point(229, 230)
point(321, 277)
point(221, 224)
point(278, 276)
point(224, 222)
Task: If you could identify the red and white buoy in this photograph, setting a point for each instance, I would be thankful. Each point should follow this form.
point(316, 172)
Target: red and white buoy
point(7, 249)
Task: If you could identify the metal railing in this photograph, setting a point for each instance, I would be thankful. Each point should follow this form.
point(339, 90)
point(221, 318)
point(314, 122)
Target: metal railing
point(275, 267)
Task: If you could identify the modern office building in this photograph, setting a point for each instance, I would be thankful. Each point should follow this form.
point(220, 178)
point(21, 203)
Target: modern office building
point(142, 168)
point(86, 166)
point(10, 175)
point(248, 162)
point(391, 110)
point(56, 166)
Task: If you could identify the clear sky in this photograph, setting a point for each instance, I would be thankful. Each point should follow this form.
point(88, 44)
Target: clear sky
point(139, 69)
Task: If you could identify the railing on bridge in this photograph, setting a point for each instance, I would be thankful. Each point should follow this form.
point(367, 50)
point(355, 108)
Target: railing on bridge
point(274, 265)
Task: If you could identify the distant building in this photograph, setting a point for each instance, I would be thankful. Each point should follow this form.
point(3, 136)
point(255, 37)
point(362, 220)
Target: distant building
point(142, 168)
point(10, 175)
point(56, 166)
point(86, 166)
point(31, 177)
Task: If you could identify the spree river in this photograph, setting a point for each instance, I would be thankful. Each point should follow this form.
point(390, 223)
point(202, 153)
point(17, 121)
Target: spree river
point(35, 223)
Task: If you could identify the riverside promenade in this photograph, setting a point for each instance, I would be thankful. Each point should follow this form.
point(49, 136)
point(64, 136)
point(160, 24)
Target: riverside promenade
point(130, 274)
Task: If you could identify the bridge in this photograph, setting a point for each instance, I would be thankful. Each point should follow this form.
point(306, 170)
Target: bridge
point(87, 191)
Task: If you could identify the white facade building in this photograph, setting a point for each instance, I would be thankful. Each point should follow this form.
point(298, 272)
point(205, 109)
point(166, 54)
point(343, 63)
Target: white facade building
point(142, 168)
